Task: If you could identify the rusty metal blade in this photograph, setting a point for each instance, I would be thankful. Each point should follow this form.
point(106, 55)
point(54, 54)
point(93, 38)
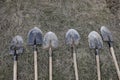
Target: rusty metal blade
point(95, 40)
point(50, 40)
point(106, 34)
point(72, 37)
point(16, 45)
point(35, 37)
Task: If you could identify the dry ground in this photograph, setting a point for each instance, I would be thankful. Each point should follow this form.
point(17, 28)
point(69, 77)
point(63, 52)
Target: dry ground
point(19, 16)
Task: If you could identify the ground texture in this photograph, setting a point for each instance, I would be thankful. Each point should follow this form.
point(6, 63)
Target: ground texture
point(17, 17)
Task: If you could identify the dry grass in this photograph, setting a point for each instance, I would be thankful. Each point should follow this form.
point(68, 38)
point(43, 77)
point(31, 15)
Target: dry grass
point(19, 16)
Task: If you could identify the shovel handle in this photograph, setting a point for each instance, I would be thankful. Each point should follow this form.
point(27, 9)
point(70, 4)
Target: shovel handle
point(115, 61)
point(98, 67)
point(50, 64)
point(98, 64)
point(15, 70)
point(35, 65)
point(75, 66)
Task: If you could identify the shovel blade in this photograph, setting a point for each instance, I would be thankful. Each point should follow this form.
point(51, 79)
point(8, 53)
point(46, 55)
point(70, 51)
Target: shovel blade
point(50, 40)
point(72, 37)
point(16, 45)
point(35, 37)
point(106, 34)
point(19, 51)
point(95, 40)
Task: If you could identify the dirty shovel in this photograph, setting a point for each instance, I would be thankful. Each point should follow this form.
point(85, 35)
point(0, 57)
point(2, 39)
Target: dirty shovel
point(72, 39)
point(96, 43)
point(16, 47)
point(107, 37)
point(50, 41)
point(35, 39)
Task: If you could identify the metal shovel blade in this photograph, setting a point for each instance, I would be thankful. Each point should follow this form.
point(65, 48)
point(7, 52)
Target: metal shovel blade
point(72, 37)
point(16, 45)
point(106, 34)
point(50, 40)
point(95, 40)
point(35, 37)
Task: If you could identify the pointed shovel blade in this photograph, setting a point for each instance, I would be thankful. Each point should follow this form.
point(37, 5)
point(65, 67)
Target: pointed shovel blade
point(95, 40)
point(16, 45)
point(50, 40)
point(35, 37)
point(72, 37)
point(106, 34)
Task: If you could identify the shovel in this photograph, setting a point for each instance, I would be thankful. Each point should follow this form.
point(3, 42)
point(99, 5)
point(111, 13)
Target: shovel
point(96, 43)
point(107, 37)
point(35, 39)
point(16, 48)
point(50, 41)
point(72, 39)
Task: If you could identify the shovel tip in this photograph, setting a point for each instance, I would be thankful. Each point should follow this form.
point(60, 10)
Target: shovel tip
point(17, 40)
point(93, 33)
point(50, 32)
point(35, 29)
point(103, 28)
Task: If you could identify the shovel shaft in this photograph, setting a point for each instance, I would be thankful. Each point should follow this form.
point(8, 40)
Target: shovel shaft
point(115, 61)
point(35, 65)
point(98, 67)
point(75, 66)
point(15, 70)
point(50, 64)
point(75, 62)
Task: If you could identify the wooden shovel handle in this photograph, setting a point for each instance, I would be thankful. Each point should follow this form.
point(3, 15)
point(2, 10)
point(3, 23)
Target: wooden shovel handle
point(50, 64)
point(15, 70)
point(98, 67)
point(75, 66)
point(115, 61)
point(35, 65)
